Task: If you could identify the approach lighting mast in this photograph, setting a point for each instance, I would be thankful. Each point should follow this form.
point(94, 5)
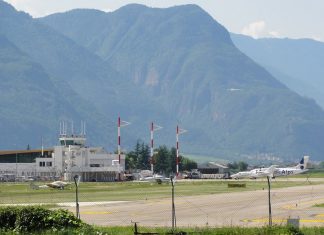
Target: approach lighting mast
point(120, 124)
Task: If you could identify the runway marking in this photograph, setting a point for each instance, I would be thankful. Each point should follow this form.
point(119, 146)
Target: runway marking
point(305, 203)
point(96, 212)
point(265, 220)
point(319, 215)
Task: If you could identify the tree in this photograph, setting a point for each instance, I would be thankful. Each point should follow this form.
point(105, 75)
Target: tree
point(162, 160)
point(143, 160)
point(242, 166)
point(187, 164)
point(131, 161)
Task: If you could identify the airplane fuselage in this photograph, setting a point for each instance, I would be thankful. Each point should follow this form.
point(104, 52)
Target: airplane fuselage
point(288, 171)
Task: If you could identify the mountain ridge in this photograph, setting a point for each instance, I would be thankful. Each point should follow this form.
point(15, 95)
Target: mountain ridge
point(171, 66)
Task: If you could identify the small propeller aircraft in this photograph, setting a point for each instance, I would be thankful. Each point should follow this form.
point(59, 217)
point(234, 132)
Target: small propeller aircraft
point(56, 185)
point(255, 173)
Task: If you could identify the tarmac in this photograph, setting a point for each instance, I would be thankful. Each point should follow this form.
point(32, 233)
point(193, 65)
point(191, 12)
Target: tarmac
point(227, 209)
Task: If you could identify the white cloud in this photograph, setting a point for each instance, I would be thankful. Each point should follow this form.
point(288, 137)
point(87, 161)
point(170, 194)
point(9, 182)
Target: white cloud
point(259, 29)
point(317, 39)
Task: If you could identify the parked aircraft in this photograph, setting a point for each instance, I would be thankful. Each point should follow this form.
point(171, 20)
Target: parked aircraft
point(56, 184)
point(155, 178)
point(255, 173)
point(298, 169)
point(273, 171)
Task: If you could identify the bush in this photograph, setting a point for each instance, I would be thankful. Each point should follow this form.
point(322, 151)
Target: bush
point(59, 219)
point(8, 217)
point(31, 218)
point(36, 218)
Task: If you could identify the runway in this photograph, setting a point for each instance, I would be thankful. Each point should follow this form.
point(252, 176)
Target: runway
point(226, 209)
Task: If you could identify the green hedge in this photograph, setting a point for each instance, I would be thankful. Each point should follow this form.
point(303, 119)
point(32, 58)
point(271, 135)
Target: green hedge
point(37, 218)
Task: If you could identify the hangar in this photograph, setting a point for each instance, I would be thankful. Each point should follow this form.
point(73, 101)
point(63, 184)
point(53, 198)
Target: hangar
point(212, 170)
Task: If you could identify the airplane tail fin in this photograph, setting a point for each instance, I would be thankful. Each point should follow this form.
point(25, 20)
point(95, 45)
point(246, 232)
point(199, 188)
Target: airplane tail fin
point(271, 169)
point(303, 163)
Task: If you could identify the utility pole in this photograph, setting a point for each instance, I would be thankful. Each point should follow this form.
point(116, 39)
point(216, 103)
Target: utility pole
point(16, 166)
point(269, 200)
point(174, 222)
point(77, 208)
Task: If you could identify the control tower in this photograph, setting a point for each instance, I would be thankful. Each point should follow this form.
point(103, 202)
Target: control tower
point(72, 139)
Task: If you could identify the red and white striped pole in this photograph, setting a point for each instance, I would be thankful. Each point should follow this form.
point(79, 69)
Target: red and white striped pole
point(120, 124)
point(152, 146)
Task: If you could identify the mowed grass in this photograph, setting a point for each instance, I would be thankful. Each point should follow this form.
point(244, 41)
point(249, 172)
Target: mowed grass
point(319, 205)
point(309, 174)
point(274, 230)
point(16, 193)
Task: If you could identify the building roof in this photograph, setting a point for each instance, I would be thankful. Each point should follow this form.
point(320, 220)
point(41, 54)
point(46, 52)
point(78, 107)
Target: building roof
point(211, 165)
point(5, 152)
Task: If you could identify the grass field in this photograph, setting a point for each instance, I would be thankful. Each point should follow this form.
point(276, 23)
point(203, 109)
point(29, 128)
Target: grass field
point(319, 205)
point(15, 193)
point(310, 174)
point(275, 230)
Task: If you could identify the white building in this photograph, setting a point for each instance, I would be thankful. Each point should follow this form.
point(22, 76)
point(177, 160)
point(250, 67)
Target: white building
point(72, 157)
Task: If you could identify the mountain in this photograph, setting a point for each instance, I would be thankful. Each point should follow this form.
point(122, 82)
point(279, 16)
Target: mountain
point(173, 66)
point(187, 62)
point(91, 85)
point(29, 101)
point(298, 63)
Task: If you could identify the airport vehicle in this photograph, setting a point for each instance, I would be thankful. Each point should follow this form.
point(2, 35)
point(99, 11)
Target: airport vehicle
point(255, 173)
point(301, 167)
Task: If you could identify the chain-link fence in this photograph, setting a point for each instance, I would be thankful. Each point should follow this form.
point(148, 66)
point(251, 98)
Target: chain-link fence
point(217, 202)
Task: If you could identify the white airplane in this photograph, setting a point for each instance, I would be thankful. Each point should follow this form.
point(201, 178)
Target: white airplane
point(58, 184)
point(155, 178)
point(255, 173)
point(298, 169)
point(55, 184)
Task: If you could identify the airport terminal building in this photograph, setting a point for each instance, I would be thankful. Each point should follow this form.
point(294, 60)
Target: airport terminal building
point(69, 158)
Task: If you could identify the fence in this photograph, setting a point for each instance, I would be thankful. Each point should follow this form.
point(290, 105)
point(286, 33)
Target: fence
point(197, 203)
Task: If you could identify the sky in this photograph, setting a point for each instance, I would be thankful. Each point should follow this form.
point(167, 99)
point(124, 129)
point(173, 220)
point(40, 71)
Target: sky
point(256, 18)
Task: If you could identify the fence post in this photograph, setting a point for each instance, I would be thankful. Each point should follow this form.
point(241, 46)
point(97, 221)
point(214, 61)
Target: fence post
point(269, 199)
point(173, 206)
point(76, 181)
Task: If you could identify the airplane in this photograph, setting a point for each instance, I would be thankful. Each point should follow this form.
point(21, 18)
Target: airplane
point(298, 169)
point(58, 184)
point(255, 173)
point(155, 178)
point(55, 185)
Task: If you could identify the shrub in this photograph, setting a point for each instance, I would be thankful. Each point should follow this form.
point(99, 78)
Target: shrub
point(31, 218)
point(36, 218)
point(8, 217)
point(59, 219)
